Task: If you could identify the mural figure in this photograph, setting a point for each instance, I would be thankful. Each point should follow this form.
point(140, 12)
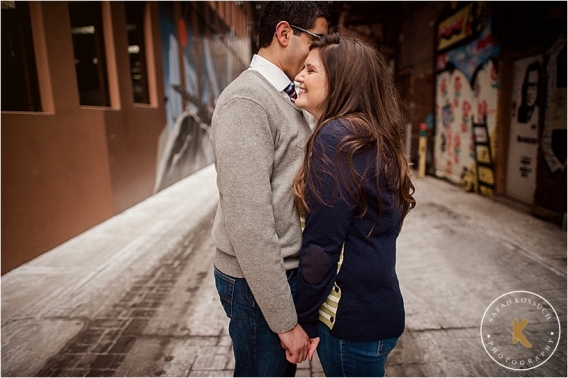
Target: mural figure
point(191, 87)
point(529, 95)
point(523, 136)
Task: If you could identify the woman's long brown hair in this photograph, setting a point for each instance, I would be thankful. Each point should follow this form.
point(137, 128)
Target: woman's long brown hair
point(361, 93)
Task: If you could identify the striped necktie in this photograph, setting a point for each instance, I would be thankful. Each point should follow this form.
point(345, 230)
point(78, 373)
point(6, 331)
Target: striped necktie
point(291, 91)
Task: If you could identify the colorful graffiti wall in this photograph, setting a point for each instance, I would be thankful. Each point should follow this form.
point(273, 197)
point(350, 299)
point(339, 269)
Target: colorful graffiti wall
point(200, 56)
point(466, 99)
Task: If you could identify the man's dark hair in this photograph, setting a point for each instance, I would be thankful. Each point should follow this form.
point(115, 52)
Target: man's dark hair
point(302, 14)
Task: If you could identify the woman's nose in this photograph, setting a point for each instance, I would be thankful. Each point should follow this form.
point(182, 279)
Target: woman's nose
point(299, 77)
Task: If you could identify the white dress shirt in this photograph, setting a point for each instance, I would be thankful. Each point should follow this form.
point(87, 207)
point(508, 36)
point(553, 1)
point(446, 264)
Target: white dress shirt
point(272, 73)
point(278, 79)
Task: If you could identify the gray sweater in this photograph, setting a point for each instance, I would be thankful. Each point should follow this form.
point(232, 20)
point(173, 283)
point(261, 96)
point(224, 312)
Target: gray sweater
point(258, 140)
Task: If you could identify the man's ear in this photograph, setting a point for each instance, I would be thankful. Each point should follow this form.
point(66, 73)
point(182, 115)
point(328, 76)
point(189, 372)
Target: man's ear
point(283, 33)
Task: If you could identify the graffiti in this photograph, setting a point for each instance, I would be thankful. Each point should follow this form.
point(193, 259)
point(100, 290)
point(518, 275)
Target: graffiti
point(456, 112)
point(455, 28)
point(526, 165)
point(447, 116)
point(483, 43)
point(192, 85)
point(523, 140)
point(469, 57)
point(465, 24)
point(466, 114)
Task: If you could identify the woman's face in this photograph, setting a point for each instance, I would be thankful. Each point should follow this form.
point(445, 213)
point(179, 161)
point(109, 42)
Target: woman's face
point(313, 85)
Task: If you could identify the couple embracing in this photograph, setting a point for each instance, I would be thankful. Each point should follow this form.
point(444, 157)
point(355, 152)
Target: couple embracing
point(330, 284)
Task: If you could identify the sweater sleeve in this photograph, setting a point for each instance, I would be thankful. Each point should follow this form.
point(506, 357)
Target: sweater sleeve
point(325, 231)
point(244, 158)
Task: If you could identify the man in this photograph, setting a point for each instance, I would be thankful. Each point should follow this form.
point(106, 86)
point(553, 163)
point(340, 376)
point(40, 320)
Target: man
point(258, 139)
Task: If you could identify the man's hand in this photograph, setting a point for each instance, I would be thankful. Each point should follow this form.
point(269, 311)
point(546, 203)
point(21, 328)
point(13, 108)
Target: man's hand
point(296, 343)
point(313, 347)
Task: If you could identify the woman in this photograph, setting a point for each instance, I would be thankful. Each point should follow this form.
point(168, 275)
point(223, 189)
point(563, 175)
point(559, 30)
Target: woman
point(354, 189)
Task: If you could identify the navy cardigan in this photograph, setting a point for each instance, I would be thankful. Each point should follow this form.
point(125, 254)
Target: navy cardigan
point(371, 307)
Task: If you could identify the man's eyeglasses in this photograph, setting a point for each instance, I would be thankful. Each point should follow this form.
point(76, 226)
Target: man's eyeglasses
point(314, 35)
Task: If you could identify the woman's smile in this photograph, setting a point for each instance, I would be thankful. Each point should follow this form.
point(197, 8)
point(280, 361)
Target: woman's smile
point(312, 91)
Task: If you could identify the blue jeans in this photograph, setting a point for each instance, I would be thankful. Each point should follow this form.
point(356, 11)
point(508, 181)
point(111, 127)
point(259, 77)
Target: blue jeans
point(258, 352)
point(340, 358)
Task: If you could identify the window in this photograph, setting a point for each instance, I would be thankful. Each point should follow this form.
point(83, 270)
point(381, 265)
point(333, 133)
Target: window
point(135, 14)
point(89, 50)
point(20, 88)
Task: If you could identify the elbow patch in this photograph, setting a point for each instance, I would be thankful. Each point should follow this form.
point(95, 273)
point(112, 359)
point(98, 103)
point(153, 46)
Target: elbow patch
point(315, 264)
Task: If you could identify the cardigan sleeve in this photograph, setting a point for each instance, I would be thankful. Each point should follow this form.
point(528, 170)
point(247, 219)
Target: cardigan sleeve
point(244, 154)
point(326, 228)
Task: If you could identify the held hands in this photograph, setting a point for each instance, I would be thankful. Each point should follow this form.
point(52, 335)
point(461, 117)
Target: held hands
point(296, 343)
point(313, 347)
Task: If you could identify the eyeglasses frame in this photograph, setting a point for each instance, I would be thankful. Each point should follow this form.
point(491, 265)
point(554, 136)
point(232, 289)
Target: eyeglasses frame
point(313, 35)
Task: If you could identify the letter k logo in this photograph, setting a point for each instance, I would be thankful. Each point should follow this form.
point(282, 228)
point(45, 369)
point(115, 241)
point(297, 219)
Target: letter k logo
point(518, 333)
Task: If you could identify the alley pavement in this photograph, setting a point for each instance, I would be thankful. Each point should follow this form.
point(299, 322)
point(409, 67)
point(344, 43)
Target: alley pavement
point(135, 296)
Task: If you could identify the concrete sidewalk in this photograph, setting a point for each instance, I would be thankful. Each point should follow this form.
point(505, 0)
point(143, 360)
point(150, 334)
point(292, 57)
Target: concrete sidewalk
point(135, 296)
point(104, 285)
point(458, 252)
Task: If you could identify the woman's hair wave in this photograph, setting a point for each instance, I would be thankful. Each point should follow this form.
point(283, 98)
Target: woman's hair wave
point(363, 96)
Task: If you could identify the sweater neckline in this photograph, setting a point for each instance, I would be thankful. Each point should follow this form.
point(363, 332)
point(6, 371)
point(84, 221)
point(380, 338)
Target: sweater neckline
point(258, 74)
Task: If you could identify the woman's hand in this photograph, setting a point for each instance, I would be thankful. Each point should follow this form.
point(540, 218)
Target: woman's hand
point(296, 343)
point(313, 346)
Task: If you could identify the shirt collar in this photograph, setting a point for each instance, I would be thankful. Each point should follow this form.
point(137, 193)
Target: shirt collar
point(270, 71)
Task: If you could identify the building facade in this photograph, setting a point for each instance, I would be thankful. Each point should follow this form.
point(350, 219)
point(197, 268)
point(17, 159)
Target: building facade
point(104, 104)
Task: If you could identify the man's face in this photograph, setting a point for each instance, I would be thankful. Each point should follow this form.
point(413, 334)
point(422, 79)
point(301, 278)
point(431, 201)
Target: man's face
point(300, 47)
point(532, 88)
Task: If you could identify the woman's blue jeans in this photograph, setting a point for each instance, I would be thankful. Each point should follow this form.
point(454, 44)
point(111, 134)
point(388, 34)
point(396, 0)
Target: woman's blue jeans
point(340, 358)
point(258, 352)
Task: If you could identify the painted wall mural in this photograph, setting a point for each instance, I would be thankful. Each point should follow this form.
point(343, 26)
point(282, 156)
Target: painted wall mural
point(464, 24)
point(210, 60)
point(466, 109)
point(523, 140)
